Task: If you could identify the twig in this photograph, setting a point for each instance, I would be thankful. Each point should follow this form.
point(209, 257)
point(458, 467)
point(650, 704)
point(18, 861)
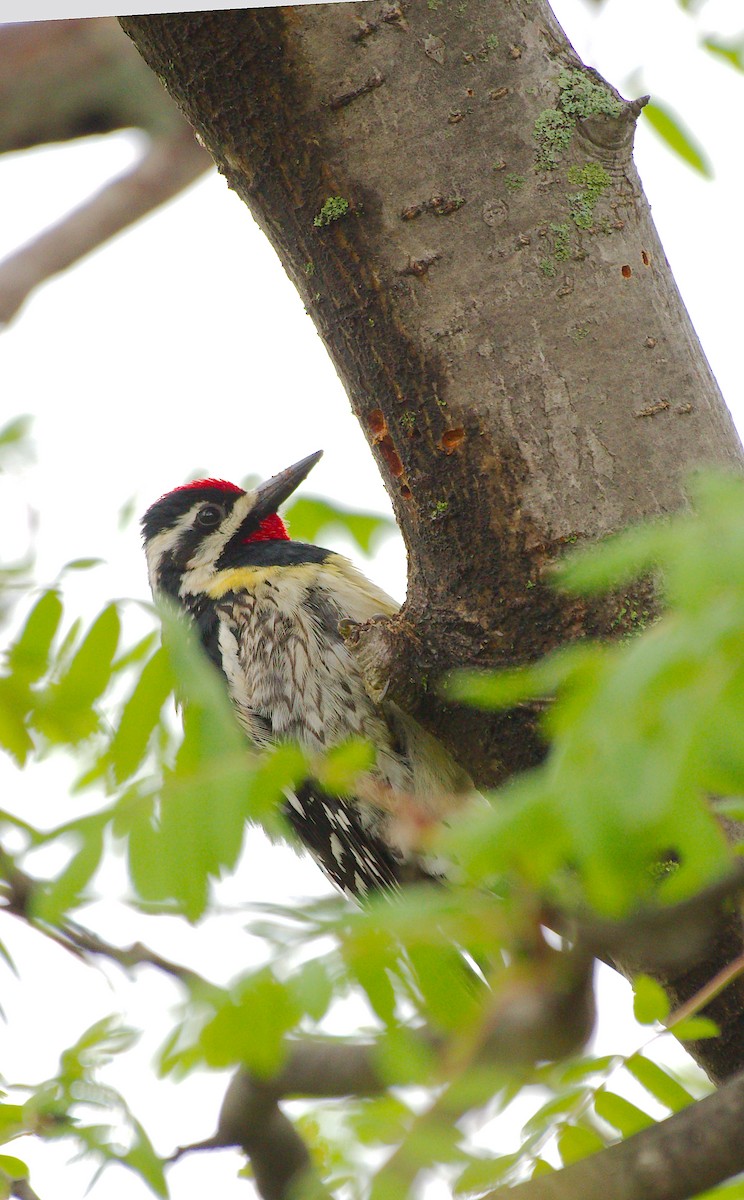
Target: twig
point(21, 1190)
point(76, 939)
point(712, 989)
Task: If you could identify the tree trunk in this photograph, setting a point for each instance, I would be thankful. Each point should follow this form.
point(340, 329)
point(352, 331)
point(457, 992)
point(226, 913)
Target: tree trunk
point(454, 197)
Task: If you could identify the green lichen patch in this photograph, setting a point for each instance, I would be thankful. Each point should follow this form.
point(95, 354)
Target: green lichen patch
point(561, 240)
point(559, 235)
point(592, 180)
point(580, 95)
point(552, 133)
point(631, 619)
point(514, 182)
point(334, 209)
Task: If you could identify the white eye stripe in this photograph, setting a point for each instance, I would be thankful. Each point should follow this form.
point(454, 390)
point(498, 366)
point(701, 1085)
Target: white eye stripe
point(200, 566)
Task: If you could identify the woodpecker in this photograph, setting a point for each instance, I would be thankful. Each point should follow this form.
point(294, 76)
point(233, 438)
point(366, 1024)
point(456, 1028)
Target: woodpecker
point(267, 610)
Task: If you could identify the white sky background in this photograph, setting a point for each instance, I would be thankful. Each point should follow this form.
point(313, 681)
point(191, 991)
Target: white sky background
point(192, 305)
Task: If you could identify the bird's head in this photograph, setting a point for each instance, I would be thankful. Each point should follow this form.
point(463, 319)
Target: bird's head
point(201, 528)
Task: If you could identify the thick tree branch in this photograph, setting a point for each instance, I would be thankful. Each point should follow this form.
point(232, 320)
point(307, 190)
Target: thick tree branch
point(688, 1153)
point(496, 366)
point(61, 80)
point(497, 385)
point(166, 169)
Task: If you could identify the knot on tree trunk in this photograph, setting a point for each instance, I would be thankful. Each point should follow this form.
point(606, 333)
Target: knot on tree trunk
point(614, 132)
point(405, 660)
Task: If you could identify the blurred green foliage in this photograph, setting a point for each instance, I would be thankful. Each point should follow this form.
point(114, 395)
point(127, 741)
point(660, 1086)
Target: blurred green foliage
point(310, 517)
point(16, 448)
point(641, 732)
point(668, 126)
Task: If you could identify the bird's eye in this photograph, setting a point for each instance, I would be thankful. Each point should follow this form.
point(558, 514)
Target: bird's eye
point(209, 516)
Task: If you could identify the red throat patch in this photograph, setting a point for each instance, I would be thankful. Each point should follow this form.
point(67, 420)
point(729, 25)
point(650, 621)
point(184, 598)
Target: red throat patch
point(271, 529)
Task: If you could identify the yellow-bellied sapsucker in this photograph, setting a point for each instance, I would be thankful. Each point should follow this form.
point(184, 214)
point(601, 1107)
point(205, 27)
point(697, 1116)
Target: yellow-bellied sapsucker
point(268, 610)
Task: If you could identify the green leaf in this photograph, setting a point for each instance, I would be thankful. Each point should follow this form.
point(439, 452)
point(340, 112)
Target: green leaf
point(127, 512)
point(15, 704)
point(310, 516)
point(381, 1120)
point(65, 652)
point(66, 712)
point(16, 430)
point(28, 657)
point(371, 963)
point(659, 1082)
point(172, 858)
point(342, 765)
point(11, 1120)
point(140, 715)
point(7, 958)
point(153, 874)
point(583, 1068)
point(250, 1029)
point(15, 440)
point(650, 1001)
point(90, 670)
point(613, 562)
point(66, 892)
point(95, 1048)
point(143, 1161)
point(618, 1112)
point(143, 649)
point(576, 1142)
point(482, 1173)
point(669, 128)
point(311, 987)
point(277, 770)
point(504, 689)
point(403, 1057)
point(730, 52)
point(82, 564)
point(446, 984)
point(13, 1168)
point(556, 1106)
point(695, 1028)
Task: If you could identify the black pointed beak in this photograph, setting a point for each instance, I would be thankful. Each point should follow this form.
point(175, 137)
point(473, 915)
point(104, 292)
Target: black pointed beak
point(275, 491)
